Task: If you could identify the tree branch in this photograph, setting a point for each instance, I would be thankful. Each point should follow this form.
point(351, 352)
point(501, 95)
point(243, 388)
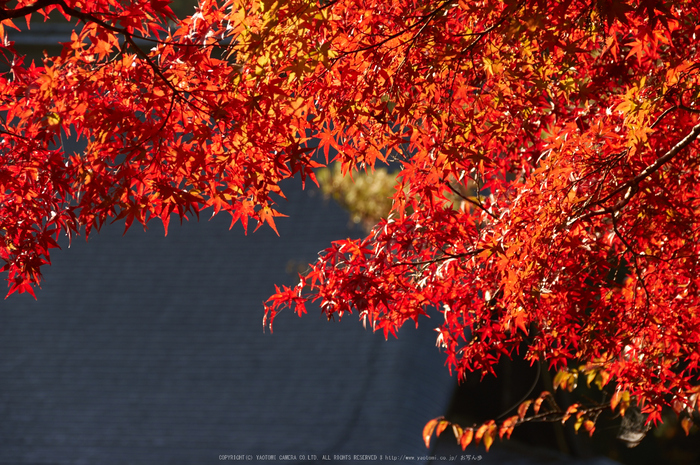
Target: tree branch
point(632, 186)
point(468, 200)
point(25, 10)
point(129, 38)
point(446, 256)
point(425, 19)
point(480, 35)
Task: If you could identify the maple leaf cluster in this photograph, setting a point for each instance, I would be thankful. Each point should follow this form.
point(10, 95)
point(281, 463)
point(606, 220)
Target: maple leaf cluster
point(547, 197)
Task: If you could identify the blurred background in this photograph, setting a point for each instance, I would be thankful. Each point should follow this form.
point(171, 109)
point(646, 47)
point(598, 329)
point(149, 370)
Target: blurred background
point(150, 349)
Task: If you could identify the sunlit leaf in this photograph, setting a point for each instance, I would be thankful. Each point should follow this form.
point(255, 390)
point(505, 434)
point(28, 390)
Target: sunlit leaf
point(466, 438)
point(428, 431)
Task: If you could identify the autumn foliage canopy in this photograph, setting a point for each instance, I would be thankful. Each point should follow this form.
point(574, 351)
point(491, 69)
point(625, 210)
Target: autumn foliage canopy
point(549, 187)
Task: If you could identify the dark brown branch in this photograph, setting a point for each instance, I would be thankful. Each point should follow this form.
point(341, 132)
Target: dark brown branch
point(445, 257)
point(424, 19)
point(635, 261)
point(473, 202)
point(527, 394)
point(12, 134)
point(631, 187)
point(327, 5)
point(485, 32)
point(558, 415)
point(25, 10)
point(662, 115)
point(129, 38)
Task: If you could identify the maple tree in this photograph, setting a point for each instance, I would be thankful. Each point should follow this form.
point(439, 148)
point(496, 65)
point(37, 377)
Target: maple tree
point(547, 196)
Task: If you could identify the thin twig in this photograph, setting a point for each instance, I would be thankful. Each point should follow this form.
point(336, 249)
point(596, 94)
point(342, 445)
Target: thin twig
point(445, 257)
point(473, 202)
point(632, 186)
point(527, 394)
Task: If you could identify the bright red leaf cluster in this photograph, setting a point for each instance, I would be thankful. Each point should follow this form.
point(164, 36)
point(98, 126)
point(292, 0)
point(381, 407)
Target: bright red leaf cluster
point(547, 199)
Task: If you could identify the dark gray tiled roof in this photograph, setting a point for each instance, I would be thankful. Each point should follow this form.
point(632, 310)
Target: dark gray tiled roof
point(146, 349)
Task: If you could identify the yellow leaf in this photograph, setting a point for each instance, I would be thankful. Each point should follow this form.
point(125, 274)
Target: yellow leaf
point(488, 66)
point(53, 119)
point(560, 379)
point(590, 376)
point(489, 436)
point(480, 432)
point(602, 379)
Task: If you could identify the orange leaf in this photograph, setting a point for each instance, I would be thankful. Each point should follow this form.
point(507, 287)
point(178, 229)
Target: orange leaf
point(507, 426)
point(615, 399)
point(522, 410)
point(428, 431)
point(538, 402)
point(480, 433)
point(573, 408)
point(489, 426)
point(466, 438)
point(621, 398)
point(686, 424)
point(441, 427)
